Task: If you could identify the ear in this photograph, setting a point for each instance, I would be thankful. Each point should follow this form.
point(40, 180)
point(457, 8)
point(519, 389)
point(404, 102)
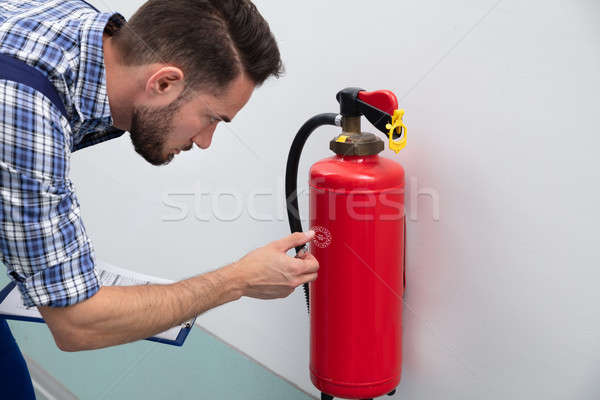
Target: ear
point(167, 83)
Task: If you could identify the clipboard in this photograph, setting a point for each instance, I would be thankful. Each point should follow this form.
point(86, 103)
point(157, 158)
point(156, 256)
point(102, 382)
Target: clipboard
point(11, 307)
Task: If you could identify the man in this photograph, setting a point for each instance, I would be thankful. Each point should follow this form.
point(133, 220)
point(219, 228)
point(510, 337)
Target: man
point(168, 76)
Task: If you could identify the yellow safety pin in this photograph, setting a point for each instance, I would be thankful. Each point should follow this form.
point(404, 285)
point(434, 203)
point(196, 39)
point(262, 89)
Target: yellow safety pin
point(398, 126)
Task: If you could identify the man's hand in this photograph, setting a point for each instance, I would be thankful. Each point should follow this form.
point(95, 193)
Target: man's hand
point(269, 273)
point(121, 314)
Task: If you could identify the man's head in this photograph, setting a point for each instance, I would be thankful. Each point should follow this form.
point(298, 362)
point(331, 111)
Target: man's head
point(199, 62)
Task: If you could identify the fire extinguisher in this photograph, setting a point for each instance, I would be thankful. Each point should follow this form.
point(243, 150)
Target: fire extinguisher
point(357, 213)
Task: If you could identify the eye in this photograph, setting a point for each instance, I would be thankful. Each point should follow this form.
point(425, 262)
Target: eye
point(213, 120)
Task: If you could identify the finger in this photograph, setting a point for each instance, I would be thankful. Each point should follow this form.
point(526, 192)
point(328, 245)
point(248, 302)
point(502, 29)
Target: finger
point(302, 253)
point(294, 240)
point(307, 265)
point(307, 256)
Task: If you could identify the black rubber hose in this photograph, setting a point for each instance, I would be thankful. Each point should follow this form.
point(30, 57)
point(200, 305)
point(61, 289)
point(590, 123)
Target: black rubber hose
point(291, 176)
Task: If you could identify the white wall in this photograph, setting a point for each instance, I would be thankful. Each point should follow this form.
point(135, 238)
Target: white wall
point(501, 103)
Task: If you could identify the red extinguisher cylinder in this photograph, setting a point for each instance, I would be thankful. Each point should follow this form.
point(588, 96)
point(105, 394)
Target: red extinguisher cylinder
point(357, 212)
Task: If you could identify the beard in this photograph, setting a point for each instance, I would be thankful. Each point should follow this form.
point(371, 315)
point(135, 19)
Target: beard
point(150, 128)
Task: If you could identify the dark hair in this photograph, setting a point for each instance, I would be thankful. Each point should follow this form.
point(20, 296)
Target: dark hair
point(212, 41)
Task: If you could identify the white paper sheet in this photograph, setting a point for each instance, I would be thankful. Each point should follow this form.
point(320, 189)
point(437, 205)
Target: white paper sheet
point(109, 275)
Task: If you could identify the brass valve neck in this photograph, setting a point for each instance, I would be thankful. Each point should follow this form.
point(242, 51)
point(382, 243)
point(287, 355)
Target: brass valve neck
point(353, 142)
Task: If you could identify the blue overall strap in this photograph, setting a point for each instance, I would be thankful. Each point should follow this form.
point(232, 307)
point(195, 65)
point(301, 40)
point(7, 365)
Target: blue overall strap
point(14, 375)
point(15, 70)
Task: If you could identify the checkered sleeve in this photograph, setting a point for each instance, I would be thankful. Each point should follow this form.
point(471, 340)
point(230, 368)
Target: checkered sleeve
point(42, 237)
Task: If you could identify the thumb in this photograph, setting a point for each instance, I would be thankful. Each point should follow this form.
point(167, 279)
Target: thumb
point(294, 240)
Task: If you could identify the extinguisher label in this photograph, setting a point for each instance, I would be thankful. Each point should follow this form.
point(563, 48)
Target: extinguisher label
point(322, 237)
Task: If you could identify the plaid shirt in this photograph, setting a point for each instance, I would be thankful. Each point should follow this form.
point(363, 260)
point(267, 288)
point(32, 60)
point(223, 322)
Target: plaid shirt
point(43, 242)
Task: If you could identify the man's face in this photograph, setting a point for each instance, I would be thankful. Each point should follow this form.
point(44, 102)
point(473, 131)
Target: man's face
point(158, 134)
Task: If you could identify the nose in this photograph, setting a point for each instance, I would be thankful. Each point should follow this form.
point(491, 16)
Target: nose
point(204, 140)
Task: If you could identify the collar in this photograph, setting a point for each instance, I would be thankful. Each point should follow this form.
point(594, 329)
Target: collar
point(90, 96)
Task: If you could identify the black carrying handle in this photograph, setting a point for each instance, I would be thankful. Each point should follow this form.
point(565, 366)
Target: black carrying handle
point(352, 106)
